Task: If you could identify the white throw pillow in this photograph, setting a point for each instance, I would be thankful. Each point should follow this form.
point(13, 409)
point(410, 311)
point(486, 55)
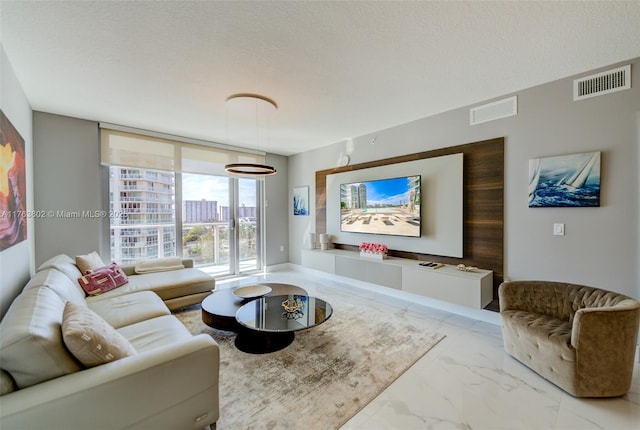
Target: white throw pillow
point(89, 262)
point(90, 338)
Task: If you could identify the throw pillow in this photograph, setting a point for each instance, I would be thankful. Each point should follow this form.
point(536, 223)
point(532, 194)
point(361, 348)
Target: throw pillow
point(97, 283)
point(115, 271)
point(90, 339)
point(89, 262)
point(7, 384)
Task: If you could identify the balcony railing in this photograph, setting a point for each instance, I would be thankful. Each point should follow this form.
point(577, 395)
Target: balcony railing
point(206, 243)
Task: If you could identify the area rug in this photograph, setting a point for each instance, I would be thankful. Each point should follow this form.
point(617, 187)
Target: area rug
point(326, 375)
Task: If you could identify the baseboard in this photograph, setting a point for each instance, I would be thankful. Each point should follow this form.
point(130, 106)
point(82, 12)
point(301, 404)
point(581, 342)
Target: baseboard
point(279, 267)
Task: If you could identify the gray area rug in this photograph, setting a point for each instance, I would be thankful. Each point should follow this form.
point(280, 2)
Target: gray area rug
point(326, 375)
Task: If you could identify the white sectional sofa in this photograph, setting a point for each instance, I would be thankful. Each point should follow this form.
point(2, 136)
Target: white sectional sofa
point(169, 381)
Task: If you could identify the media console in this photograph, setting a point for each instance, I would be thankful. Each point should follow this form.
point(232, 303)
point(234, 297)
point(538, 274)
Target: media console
point(447, 283)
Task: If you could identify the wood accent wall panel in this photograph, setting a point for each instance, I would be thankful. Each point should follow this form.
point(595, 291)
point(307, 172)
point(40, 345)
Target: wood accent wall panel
point(483, 194)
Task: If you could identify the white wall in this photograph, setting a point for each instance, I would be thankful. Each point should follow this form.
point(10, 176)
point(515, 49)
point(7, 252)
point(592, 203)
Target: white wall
point(601, 245)
point(16, 263)
point(277, 231)
point(67, 179)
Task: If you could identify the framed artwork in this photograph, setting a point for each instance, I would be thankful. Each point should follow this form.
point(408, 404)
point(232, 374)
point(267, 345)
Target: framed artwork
point(301, 201)
point(13, 186)
point(565, 181)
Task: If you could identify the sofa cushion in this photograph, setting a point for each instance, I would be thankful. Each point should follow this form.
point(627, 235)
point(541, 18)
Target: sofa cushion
point(90, 338)
point(155, 333)
point(31, 349)
point(130, 308)
point(62, 263)
point(66, 289)
point(88, 262)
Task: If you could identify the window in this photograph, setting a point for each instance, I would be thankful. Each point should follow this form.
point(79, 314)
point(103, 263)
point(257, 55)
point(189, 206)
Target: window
point(174, 199)
point(155, 236)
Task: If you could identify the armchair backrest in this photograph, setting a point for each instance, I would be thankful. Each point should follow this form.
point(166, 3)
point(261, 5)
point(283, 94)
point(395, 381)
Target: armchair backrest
point(559, 300)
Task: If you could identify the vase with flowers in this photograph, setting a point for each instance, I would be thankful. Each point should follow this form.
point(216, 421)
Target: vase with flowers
point(373, 250)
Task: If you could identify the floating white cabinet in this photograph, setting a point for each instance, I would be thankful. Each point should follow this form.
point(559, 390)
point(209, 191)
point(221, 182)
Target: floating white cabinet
point(325, 261)
point(472, 289)
point(369, 270)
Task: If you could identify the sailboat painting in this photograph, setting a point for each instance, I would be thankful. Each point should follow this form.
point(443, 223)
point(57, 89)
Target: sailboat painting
point(565, 181)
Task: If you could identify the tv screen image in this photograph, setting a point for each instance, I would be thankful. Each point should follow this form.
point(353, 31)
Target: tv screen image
point(381, 206)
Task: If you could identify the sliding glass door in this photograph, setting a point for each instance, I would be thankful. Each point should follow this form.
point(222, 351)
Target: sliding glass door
point(205, 222)
point(247, 225)
point(220, 223)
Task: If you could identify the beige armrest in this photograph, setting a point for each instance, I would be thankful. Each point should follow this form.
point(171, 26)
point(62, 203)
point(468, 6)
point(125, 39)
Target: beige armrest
point(606, 328)
point(604, 339)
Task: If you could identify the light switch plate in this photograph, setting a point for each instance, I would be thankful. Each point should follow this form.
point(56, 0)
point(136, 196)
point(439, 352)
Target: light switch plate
point(558, 229)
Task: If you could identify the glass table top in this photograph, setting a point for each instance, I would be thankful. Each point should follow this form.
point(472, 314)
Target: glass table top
point(284, 313)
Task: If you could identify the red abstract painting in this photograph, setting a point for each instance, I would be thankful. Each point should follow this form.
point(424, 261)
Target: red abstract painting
point(13, 186)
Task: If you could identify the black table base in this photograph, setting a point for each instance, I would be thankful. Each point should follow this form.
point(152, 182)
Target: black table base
point(255, 342)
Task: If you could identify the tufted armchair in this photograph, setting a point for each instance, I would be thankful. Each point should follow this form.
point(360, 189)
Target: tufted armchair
point(580, 338)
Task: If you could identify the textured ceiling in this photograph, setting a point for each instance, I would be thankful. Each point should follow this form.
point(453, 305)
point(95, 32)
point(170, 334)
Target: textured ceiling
point(336, 69)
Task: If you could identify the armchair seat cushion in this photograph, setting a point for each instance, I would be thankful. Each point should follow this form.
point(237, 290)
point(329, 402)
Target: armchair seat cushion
point(541, 342)
point(129, 309)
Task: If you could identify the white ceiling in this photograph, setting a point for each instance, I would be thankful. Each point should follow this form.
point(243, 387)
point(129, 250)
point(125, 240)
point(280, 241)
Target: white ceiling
point(336, 69)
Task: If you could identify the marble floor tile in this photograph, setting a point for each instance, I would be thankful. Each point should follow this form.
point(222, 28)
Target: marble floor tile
point(467, 381)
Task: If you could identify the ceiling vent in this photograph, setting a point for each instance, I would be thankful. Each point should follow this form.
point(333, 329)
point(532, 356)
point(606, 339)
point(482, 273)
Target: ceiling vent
point(607, 82)
point(492, 111)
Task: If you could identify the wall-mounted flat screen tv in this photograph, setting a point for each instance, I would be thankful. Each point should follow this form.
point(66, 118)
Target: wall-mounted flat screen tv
point(381, 206)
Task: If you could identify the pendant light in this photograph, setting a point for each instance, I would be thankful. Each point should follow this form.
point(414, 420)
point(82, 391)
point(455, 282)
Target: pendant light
point(261, 107)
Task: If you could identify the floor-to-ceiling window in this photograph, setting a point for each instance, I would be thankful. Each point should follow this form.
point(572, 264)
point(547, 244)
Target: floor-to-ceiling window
point(145, 202)
point(174, 199)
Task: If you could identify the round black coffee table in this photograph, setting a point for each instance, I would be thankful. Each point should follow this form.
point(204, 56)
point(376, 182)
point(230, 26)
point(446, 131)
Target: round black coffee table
point(269, 323)
point(219, 308)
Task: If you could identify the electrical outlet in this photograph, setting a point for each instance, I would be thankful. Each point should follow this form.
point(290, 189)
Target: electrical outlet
point(281, 248)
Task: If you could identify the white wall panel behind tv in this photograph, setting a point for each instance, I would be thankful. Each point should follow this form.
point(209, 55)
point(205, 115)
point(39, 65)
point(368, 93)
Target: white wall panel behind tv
point(441, 210)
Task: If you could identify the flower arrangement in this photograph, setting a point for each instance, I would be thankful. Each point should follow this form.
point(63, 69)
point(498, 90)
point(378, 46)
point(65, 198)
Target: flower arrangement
point(376, 250)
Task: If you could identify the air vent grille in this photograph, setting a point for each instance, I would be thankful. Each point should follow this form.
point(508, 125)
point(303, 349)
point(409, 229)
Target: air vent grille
point(492, 111)
point(607, 82)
